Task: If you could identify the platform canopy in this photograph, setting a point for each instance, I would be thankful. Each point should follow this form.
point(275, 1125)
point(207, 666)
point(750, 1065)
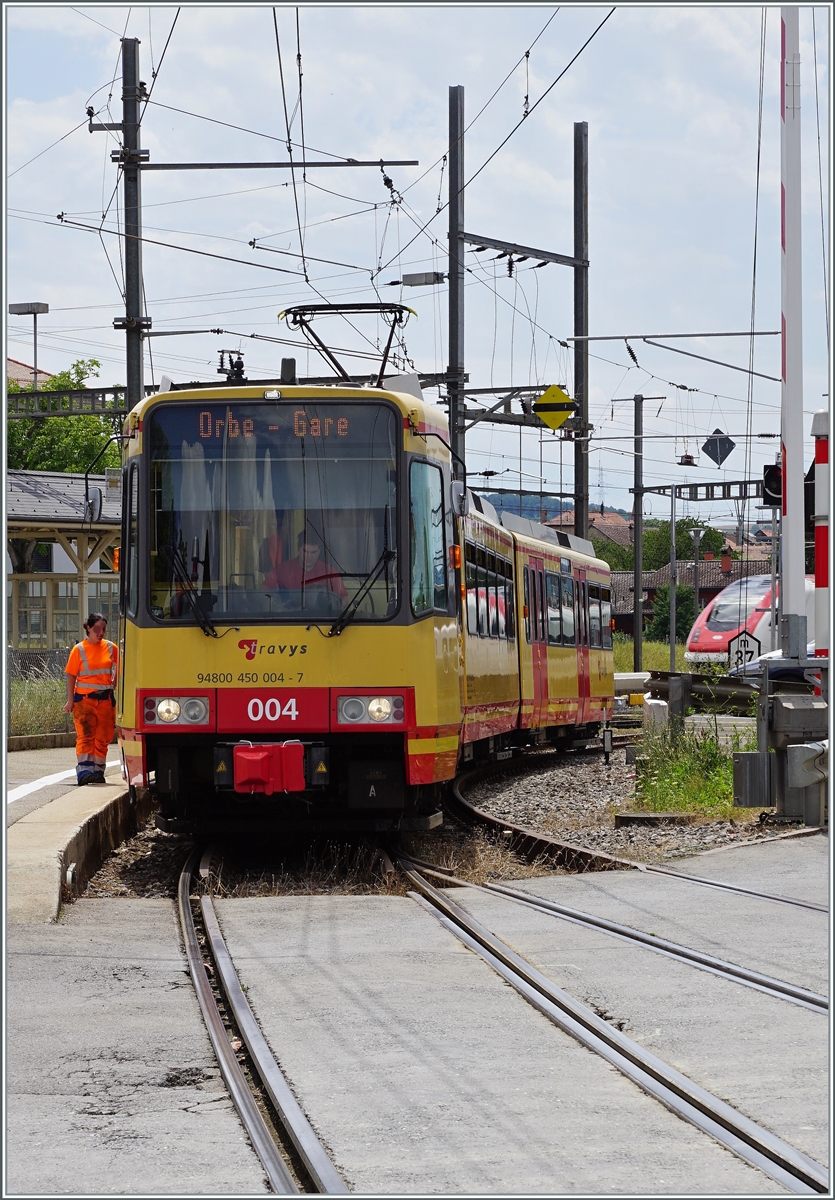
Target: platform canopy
point(48, 506)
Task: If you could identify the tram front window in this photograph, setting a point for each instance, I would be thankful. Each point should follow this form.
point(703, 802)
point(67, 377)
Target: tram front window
point(281, 510)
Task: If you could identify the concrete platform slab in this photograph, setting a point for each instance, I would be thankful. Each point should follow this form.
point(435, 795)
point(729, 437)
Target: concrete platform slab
point(424, 1073)
point(766, 1057)
point(25, 767)
point(112, 1086)
point(780, 940)
point(795, 866)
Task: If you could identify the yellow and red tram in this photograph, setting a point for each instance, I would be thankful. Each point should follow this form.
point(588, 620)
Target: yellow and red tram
point(319, 626)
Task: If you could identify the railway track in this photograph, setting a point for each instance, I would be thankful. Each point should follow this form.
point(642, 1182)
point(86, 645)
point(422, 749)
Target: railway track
point(322, 1174)
point(532, 844)
point(777, 988)
point(738, 1133)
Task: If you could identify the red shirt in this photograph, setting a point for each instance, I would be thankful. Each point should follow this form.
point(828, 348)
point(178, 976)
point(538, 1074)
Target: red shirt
point(291, 575)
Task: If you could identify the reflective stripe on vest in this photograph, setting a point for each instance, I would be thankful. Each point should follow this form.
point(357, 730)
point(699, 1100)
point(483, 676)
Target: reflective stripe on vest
point(95, 681)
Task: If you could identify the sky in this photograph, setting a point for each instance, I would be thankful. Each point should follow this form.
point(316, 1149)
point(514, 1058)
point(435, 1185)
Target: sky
point(671, 97)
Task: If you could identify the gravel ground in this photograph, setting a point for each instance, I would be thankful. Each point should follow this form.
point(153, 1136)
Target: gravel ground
point(146, 866)
point(575, 798)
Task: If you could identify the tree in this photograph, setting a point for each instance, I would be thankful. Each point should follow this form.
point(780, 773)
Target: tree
point(61, 443)
point(657, 542)
point(619, 558)
point(57, 443)
point(658, 629)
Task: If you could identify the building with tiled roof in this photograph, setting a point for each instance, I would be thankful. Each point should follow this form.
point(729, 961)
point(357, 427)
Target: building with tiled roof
point(714, 575)
point(22, 374)
point(607, 524)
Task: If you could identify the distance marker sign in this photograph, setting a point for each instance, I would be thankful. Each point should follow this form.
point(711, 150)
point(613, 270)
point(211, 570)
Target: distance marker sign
point(554, 407)
point(742, 649)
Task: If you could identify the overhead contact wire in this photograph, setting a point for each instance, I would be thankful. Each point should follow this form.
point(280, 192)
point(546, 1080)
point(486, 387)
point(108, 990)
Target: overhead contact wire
point(289, 143)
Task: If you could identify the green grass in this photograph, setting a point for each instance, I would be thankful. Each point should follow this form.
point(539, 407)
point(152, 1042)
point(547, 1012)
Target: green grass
point(690, 772)
point(37, 706)
point(656, 655)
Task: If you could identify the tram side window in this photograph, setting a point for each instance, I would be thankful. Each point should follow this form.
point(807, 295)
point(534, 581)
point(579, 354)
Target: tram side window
point(429, 584)
point(606, 617)
point(527, 576)
point(483, 620)
point(568, 636)
point(489, 594)
point(535, 635)
point(510, 607)
point(472, 609)
point(542, 610)
point(501, 599)
point(132, 556)
point(594, 615)
point(552, 591)
point(492, 598)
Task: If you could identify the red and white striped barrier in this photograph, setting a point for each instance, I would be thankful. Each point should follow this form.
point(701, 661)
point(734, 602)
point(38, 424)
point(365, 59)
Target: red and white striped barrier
point(793, 569)
point(820, 432)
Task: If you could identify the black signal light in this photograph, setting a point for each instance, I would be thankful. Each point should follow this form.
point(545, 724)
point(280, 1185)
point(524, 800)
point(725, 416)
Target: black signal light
point(773, 485)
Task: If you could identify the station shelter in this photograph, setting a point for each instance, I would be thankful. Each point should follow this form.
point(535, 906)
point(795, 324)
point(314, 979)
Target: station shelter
point(45, 513)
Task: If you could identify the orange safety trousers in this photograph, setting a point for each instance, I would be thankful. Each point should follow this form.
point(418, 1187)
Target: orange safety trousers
point(95, 723)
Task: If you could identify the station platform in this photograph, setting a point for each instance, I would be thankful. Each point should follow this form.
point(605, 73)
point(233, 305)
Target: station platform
point(52, 825)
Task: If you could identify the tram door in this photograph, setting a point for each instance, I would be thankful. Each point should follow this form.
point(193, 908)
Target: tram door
point(583, 668)
point(539, 642)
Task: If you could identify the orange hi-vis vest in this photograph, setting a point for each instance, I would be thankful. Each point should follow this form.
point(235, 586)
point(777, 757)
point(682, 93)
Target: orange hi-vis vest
point(94, 666)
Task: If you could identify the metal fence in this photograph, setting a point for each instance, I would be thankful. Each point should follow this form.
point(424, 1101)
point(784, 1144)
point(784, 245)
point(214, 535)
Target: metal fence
point(36, 664)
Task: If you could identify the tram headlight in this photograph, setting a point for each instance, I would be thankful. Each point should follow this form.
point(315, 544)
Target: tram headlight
point(168, 709)
point(195, 710)
point(351, 709)
point(379, 709)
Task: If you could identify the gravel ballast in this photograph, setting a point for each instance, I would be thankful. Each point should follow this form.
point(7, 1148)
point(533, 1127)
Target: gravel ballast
point(575, 797)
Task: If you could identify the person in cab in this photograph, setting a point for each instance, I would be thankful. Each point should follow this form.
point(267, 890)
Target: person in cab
point(306, 570)
point(91, 677)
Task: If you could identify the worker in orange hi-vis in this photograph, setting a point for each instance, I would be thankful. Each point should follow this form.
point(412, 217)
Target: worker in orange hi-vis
point(91, 676)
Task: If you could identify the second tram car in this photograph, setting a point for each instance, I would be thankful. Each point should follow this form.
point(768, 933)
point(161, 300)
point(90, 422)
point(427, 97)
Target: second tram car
point(314, 626)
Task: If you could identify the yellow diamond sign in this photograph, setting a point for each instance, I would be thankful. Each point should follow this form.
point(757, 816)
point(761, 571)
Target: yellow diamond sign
point(554, 406)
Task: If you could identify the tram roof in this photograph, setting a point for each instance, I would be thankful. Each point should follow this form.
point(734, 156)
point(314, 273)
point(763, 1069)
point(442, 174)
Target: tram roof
point(531, 534)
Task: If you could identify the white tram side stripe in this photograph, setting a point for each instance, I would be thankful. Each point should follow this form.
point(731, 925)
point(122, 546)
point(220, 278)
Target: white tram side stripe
point(26, 789)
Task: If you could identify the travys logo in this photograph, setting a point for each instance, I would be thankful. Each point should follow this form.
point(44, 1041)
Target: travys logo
point(250, 645)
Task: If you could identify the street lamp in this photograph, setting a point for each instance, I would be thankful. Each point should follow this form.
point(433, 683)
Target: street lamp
point(696, 534)
point(25, 310)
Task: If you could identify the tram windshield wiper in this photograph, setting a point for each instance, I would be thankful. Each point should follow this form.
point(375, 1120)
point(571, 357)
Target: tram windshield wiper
point(350, 610)
point(180, 571)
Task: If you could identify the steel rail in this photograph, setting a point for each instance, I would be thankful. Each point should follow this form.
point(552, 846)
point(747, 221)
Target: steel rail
point(532, 844)
point(281, 1181)
point(750, 1141)
point(529, 843)
point(735, 887)
point(776, 988)
point(311, 1151)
